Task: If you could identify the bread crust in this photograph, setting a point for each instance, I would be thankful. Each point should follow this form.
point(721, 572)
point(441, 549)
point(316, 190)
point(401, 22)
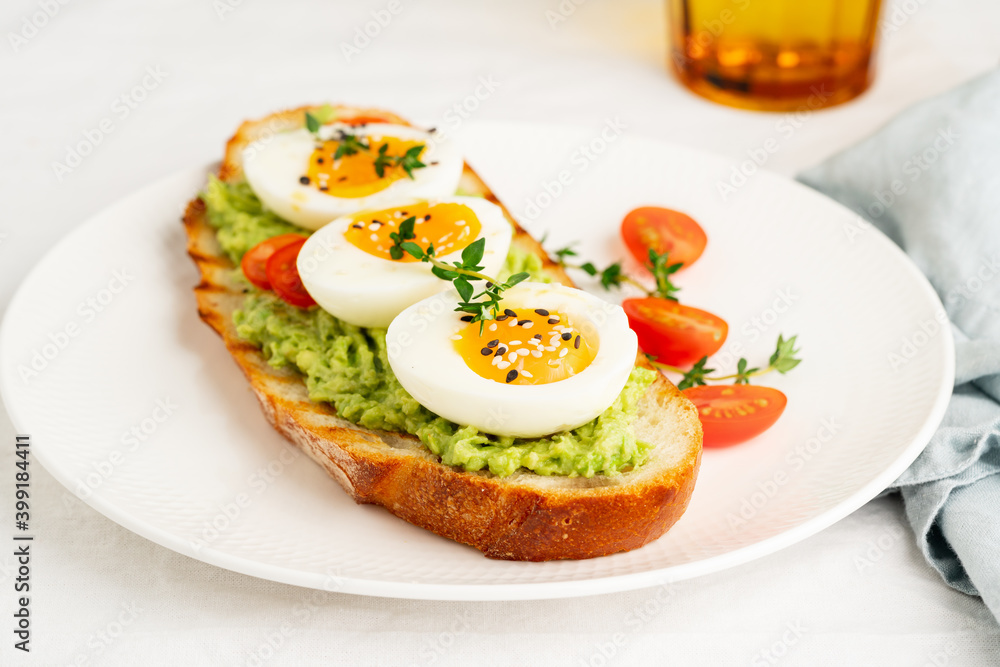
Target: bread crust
point(521, 517)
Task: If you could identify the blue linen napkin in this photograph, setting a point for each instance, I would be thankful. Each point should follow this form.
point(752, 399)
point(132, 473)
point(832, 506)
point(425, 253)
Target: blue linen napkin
point(930, 179)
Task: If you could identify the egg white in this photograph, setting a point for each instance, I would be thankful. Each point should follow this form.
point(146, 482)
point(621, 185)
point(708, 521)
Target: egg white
point(423, 357)
point(274, 168)
point(369, 291)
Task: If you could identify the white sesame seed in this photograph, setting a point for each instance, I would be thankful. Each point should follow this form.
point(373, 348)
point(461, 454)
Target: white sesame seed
point(550, 348)
point(514, 342)
point(512, 322)
point(563, 352)
point(512, 357)
point(374, 226)
point(526, 374)
point(503, 365)
point(528, 324)
point(374, 237)
point(493, 327)
point(523, 352)
point(457, 337)
point(537, 354)
point(497, 360)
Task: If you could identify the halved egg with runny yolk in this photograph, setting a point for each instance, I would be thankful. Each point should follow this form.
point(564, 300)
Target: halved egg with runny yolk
point(355, 175)
point(554, 359)
point(347, 266)
point(530, 346)
point(299, 176)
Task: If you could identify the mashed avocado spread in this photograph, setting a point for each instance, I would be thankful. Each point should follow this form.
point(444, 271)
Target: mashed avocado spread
point(348, 367)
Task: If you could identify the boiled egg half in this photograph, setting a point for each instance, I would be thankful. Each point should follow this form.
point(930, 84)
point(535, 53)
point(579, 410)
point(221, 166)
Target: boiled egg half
point(555, 359)
point(310, 179)
point(348, 268)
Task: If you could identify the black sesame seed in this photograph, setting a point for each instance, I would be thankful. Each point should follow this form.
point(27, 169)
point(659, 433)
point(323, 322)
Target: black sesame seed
point(493, 343)
point(501, 351)
point(358, 225)
point(433, 164)
point(537, 336)
point(319, 160)
point(509, 313)
point(323, 188)
point(342, 178)
point(576, 343)
point(521, 323)
point(542, 312)
point(403, 212)
point(432, 130)
point(511, 376)
point(304, 180)
point(426, 218)
point(567, 336)
point(553, 320)
point(501, 318)
point(467, 318)
point(486, 351)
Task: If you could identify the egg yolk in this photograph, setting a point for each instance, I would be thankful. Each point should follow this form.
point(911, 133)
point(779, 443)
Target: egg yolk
point(355, 175)
point(525, 347)
point(449, 227)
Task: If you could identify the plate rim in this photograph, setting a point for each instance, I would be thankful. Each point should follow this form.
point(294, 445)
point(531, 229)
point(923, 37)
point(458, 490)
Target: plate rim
point(504, 591)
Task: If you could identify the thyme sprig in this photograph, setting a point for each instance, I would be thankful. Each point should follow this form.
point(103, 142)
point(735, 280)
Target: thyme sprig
point(482, 306)
point(613, 276)
point(784, 359)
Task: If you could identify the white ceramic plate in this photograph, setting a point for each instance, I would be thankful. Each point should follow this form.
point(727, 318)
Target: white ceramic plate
point(135, 405)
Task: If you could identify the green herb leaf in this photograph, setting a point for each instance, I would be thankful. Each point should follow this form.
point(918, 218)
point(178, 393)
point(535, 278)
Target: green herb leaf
point(410, 161)
point(473, 253)
point(696, 376)
point(743, 374)
point(464, 287)
point(312, 123)
point(589, 269)
point(515, 279)
point(412, 248)
point(662, 270)
point(349, 144)
point(784, 358)
point(612, 276)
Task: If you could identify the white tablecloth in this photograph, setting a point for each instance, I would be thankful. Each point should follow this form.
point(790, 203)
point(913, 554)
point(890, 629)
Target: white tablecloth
point(176, 77)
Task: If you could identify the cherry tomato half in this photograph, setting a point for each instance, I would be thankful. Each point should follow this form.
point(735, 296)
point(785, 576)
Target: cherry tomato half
point(254, 262)
point(663, 230)
point(675, 334)
point(731, 413)
point(284, 277)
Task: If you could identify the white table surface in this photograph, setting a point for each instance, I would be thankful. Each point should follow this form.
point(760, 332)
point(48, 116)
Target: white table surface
point(859, 593)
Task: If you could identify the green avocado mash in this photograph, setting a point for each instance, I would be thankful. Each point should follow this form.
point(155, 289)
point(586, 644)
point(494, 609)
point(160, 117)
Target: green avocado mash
point(348, 367)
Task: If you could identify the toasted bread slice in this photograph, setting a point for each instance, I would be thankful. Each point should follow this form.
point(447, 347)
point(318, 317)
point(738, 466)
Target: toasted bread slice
point(521, 517)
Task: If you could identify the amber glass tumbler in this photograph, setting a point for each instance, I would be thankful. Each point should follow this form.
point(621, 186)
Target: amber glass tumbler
point(774, 55)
